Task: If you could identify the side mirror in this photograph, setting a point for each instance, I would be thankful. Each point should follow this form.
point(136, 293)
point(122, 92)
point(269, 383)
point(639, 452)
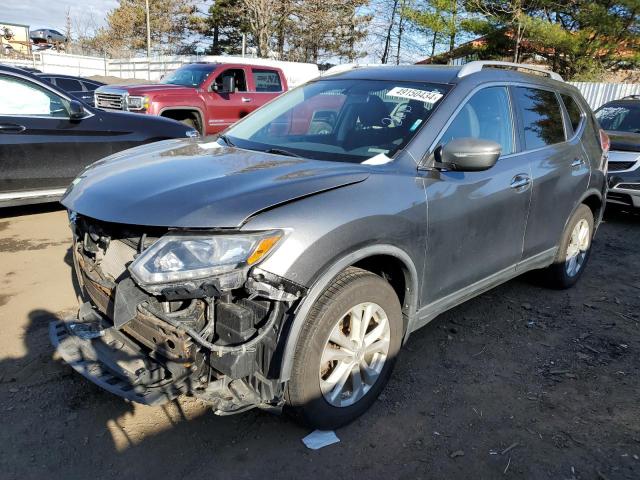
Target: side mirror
point(469, 154)
point(228, 84)
point(76, 110)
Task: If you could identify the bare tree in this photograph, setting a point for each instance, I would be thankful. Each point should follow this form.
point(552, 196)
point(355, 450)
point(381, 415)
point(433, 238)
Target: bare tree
point(262, 17)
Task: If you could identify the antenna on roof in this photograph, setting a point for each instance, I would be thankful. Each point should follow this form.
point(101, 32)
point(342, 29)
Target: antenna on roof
point(477, 66)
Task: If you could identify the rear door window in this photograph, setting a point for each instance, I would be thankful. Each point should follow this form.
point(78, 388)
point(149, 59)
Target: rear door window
point(487, 115)
point(69, 84)
point(266, 80)
point(541, 117)
point(574, 111)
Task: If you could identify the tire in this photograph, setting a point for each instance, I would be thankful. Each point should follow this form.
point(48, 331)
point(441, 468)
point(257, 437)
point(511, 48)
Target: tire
point(561, 274)
point(193, 123)
point(329, 317)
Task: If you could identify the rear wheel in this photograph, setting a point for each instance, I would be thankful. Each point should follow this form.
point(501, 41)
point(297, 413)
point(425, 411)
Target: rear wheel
point(346, 350)
point(574, 250)
point(193, 123)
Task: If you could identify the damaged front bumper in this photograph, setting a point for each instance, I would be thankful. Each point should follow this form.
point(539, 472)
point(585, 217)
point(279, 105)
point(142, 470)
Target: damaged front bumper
point(223, 347)
point(112, 361)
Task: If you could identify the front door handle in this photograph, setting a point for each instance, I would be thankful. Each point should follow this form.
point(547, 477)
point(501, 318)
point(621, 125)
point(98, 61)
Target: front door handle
point(520, 182)
point(246, 100)
point(11, 128)
point(577, 163)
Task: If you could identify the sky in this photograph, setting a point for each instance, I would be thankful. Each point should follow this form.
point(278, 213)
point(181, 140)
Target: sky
point(52, 13)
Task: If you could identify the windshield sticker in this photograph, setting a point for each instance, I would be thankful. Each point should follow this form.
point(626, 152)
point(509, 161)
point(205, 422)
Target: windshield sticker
point(379, 159)
point(415, 94)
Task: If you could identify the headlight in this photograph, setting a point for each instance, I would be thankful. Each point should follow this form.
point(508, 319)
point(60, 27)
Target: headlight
point(138, 103)
point(192, 134)
point(189, 258)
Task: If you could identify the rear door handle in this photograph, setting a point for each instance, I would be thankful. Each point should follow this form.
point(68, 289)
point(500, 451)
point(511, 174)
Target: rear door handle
point(246, 100)
point(520, 182)
point(578, 162)
point(11, 128)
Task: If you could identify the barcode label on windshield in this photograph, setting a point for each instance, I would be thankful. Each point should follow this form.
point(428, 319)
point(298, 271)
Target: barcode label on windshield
point(415, 94)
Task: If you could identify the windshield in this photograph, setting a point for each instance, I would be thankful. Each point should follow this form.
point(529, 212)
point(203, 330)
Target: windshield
point(187, 76)
point(340, 120)
point(621, 118)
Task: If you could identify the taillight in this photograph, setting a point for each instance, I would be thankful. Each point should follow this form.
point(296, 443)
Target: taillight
point(605, 142)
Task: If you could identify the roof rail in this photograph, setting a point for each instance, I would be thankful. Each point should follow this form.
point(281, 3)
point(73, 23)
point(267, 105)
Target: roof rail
point(478, 65)
point(633, 96)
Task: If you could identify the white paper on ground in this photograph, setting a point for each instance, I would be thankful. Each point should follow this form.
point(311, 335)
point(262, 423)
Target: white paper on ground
point(379, 159)
point(320, 438)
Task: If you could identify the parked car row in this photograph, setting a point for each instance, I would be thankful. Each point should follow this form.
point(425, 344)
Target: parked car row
point(283, 264)
point(205, 98)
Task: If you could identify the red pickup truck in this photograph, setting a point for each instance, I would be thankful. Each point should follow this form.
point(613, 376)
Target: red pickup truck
point(209, 97)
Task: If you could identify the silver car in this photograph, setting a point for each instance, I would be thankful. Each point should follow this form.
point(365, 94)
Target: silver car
point(284, 264)
point(47, 35)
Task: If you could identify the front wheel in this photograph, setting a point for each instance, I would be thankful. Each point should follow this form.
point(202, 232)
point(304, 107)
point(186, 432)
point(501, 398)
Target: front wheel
point(573, 252)
point(346, 350)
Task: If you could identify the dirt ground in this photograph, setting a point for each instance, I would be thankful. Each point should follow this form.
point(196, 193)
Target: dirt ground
point(522, 382)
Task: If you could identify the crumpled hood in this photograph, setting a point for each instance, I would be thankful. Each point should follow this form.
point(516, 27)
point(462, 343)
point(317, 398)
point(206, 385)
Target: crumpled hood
point(198, 184)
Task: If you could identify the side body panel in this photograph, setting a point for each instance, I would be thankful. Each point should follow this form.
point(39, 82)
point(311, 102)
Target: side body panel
point(476, 225)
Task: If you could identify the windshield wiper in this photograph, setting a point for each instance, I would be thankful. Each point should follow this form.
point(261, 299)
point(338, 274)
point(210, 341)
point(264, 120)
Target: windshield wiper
point(280, 151)
point(226, 140)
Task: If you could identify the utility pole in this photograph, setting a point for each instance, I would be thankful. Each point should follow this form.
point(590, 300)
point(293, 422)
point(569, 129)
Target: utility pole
point(148, 41)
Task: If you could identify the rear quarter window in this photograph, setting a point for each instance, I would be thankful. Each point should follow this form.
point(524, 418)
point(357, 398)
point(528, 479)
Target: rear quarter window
point(574, 111)
point(541, 117)
point(69, 84)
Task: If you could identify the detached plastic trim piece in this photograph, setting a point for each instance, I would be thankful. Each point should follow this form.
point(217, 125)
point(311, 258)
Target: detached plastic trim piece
point(81, 355)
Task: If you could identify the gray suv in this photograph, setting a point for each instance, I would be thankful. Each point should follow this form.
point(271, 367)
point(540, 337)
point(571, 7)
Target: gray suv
point(285, 262)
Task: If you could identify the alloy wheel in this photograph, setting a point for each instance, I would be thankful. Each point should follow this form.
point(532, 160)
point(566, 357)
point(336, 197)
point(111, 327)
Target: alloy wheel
point(354, 354)
point(578, 247)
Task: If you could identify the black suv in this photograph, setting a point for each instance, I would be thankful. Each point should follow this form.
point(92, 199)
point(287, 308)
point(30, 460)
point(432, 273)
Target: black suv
point(47, 137)
point(621, 120)
point(81, 88)
point(286, 262)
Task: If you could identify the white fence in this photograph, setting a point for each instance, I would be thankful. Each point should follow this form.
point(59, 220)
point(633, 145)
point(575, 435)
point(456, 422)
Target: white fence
point(152, 69)
point(597, 94)
point(64, 64)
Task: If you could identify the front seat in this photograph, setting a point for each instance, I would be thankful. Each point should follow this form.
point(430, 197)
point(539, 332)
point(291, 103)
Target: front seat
point(363, 118)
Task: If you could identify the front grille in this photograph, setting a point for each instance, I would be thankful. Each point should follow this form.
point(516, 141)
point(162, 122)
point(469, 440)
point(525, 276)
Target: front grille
point(620, 166)
point(111, 101)
point(629, 186)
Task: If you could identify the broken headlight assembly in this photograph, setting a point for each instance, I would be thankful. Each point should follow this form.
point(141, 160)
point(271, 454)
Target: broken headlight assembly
point(192, 259)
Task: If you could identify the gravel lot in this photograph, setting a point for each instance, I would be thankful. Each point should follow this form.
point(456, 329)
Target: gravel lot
point(522, 382)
